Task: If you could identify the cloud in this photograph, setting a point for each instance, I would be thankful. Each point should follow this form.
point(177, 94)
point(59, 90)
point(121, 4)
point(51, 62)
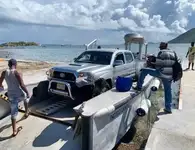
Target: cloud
point(154, 17)
point(56, 35)
point(168, 2)
point(177, 26)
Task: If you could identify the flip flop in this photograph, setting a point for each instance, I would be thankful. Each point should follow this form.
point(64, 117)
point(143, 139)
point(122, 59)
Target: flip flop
point(26, 115)
point(17, 131)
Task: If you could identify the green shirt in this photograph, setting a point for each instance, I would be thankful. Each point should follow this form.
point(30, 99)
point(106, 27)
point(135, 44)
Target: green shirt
point(191, 51)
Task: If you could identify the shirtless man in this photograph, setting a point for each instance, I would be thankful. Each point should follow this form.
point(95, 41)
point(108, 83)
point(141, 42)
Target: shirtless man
point(16, 92)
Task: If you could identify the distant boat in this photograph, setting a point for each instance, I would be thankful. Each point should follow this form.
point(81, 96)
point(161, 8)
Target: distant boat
point(41, 45)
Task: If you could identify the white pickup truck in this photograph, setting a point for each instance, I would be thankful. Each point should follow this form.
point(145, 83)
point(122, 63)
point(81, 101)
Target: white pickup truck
point(95, 71)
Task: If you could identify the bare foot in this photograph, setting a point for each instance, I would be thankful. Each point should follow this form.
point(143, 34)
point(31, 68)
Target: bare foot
point(17, 131)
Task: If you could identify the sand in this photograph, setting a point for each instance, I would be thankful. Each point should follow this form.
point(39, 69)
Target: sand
point(32, 72)
point(24, 66)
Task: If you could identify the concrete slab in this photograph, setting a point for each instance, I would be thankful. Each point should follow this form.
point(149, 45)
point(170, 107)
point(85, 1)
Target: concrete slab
point(176, 130)
point(170, 141)
point(41, 135)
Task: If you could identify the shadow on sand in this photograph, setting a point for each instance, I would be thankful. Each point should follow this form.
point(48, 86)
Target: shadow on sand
point(187, 69)
point(53, 133)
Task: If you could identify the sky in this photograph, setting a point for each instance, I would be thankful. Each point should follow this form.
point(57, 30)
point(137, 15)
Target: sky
point(81, 21)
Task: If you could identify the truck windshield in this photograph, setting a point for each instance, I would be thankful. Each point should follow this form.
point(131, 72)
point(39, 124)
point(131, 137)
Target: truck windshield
point(95, 57)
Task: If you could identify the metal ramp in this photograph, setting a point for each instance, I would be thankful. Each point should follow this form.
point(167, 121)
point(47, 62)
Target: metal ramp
point(55, 109)
point(52, 108)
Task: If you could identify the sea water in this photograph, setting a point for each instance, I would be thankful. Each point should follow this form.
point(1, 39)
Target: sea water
point(58, 53)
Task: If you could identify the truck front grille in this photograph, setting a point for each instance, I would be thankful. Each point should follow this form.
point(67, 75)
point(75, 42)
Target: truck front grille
point(64, 76)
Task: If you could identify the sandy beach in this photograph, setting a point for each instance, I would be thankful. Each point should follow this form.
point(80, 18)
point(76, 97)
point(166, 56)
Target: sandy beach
point(32, 72)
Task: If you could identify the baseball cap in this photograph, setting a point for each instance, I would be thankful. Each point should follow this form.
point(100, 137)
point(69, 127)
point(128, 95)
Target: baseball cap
point(12, 62)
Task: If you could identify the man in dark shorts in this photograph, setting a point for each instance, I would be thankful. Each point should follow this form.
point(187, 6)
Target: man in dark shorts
point(16, 92)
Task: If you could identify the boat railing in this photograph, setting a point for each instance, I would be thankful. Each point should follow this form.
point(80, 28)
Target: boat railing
point(91, 44)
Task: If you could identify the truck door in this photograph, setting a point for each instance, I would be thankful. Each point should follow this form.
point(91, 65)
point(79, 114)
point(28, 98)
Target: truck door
point(119, 70)
point(130, 64)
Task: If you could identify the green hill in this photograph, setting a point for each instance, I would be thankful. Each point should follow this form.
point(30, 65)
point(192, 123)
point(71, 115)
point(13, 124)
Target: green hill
point(21, 43)
point(186, 37)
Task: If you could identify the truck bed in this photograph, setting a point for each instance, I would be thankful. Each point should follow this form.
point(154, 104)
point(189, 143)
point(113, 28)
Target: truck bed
point(38, 133)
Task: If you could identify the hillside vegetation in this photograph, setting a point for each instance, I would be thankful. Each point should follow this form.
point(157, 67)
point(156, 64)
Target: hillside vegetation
point(186, 37)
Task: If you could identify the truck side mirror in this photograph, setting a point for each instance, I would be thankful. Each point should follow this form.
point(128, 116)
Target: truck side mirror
point(117, 63)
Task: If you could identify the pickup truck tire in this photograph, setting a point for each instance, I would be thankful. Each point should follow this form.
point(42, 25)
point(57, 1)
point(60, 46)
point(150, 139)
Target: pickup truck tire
point(41, 91)
point(4, 109)
point(101, 86)
point(82, 94)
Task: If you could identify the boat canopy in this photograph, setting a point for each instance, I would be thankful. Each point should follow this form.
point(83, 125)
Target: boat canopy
point(134, 38)
point(137, 39)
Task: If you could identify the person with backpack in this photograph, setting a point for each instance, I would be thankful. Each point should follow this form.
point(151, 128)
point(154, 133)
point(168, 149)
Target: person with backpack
point(191, 56)
point(167, 68)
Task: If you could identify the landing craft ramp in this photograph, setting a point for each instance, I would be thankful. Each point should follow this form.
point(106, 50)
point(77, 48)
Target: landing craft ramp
point(104, 120)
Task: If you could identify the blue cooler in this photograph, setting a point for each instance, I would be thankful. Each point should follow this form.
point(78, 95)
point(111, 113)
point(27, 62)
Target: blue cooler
point(123, 84)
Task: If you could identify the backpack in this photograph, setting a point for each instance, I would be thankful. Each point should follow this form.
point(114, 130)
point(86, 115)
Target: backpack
point(177, 70)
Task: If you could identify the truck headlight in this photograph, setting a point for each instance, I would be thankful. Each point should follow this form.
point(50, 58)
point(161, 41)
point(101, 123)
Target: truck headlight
point(85, 76)
point(50, 72)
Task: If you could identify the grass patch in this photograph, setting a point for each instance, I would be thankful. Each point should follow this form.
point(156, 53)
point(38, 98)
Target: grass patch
point(143, 125)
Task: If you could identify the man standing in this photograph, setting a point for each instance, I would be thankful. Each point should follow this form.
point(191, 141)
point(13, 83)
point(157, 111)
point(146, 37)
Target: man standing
point(16, 89)
point(191, 55)
point(163, 70)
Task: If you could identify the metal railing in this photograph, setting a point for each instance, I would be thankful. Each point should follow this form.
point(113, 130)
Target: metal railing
point(90, 44)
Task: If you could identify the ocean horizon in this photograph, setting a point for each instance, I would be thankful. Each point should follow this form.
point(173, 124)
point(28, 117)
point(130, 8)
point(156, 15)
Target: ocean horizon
point(66, 53)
